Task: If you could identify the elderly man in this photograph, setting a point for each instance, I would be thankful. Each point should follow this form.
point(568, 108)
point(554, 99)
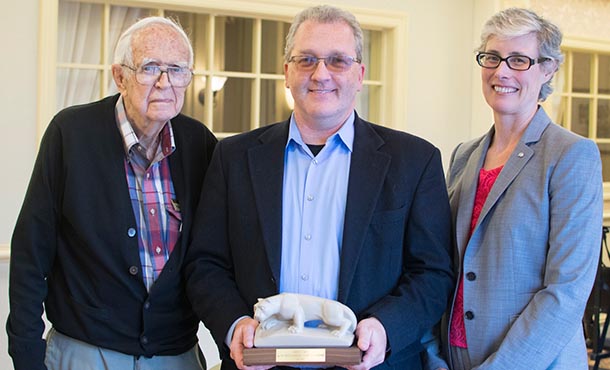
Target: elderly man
point(102, 233)
point(325, 204)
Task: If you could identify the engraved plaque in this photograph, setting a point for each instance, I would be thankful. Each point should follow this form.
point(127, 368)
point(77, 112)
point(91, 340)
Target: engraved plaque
point(300, 355)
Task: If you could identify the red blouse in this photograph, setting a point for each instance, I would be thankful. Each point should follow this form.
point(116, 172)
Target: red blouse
point(457, 332)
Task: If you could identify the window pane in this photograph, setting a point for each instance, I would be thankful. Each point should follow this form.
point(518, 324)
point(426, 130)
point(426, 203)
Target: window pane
point(121, 17)
point(194, 98)
point(234, 101)
point(272, 46)
point(87, 81)
point(234, 43)
point(367, 103)
point(603, 119)
point(582, 73)
point(196, 27)
point(604, 150)
point(371, 54)
point(79, 33)
point(580, 116)
point(274, 105)
point(604, 74)
point(562, 117)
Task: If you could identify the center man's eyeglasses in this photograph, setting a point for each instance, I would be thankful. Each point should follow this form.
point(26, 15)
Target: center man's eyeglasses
point(515, 62)
point(149, 74)
point(334, 63)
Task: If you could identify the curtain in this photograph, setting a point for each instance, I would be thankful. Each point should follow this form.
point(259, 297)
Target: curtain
point(80, 37)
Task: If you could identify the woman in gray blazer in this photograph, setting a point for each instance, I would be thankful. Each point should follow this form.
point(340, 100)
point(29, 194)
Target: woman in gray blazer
point(526, 200)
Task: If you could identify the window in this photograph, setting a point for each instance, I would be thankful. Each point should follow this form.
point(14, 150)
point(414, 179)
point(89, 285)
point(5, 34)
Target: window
point(584, 106)
point(238, 59)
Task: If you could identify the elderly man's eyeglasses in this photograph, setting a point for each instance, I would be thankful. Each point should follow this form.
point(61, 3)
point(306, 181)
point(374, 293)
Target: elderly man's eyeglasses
point(334, 63)
point(516, 62)
point(149, 74)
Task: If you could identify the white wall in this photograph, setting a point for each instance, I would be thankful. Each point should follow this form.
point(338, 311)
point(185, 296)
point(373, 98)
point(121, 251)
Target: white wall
point(18, 26)
point(439, 100)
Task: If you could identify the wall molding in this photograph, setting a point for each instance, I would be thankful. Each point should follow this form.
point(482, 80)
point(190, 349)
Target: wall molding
point(5, 252)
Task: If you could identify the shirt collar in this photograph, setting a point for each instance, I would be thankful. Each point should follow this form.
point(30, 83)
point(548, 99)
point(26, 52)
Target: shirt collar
point(345, 134)
point(168, 144)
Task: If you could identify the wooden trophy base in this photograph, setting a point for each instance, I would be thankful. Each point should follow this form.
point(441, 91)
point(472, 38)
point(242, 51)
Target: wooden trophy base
point(303, 356)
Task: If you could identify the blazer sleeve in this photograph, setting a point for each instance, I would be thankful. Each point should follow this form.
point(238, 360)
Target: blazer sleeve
point(553, 316)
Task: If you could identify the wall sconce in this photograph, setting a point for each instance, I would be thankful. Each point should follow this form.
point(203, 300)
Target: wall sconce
point(289, 98)
point(218, 82)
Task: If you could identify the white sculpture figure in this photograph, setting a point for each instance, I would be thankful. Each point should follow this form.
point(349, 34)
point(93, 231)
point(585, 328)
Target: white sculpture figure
point(282, 320)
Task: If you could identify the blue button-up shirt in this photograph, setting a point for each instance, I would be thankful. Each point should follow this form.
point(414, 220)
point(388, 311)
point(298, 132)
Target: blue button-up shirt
point(313, 211)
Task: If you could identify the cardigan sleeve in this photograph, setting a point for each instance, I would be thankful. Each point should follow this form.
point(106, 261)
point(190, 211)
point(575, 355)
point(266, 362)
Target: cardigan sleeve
point(33, 247)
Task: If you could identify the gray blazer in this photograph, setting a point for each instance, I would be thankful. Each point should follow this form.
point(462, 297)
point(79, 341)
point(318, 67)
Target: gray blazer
point(531, 260)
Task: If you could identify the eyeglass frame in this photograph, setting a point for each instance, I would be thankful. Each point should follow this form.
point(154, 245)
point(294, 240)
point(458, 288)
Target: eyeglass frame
point(162, 69)
point(317, 60)
point(506, 60)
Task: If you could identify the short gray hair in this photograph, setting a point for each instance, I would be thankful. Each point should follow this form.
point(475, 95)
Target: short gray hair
point(515, 22)
point(123, 52)
point(324, 14)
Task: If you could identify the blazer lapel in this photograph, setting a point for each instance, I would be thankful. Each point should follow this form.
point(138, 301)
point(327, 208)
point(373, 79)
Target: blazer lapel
point(516, 162)
point(367, 173)
point(468, 191)
point(520, 156)
point(266, 163)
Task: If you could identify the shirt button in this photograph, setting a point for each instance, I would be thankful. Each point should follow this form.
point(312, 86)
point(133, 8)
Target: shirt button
point(152, 211)
point(133, 270)
point(310, 198)
point(471, 276)
point(314, 161)
point(158, 250)
point(305, 277)
point(308, 237)
point(148, 175)
point(131, 232)
point(144, 339)
point(146, 305)
point(469, 315)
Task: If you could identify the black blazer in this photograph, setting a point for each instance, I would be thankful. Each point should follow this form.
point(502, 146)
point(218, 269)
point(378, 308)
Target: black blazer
point(72, 249)
point(395, 260)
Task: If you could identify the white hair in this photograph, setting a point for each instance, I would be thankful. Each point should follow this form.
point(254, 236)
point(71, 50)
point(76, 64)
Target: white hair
point(123, 53)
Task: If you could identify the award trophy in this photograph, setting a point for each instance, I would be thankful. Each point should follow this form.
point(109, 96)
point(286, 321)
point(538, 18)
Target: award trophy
point(303, 330)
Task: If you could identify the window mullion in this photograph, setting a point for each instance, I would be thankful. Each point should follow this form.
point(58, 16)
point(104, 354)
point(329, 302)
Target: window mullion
point(106, 69)
point(569, 86)
point(593, 99)
point(256, 68)
point(209, 108)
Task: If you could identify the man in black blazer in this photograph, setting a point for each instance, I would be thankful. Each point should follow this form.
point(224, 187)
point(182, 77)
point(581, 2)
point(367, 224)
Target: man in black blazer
point(330, 191)
point(103, 231)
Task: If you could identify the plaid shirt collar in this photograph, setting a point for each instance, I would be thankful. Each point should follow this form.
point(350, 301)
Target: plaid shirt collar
point(130, 139)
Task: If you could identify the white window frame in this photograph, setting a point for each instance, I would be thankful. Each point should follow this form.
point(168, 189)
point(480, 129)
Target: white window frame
point(392, 112)
point(587, 45)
